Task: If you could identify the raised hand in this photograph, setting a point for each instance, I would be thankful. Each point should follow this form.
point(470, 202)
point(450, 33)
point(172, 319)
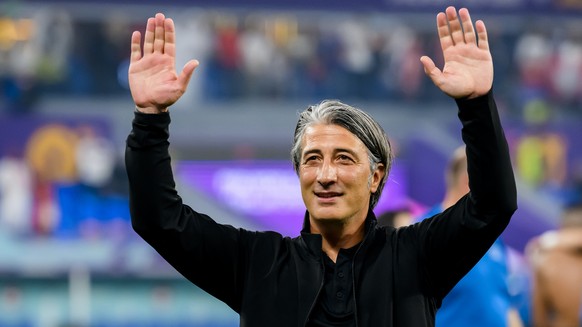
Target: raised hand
point(468, 66)
point(153, 81)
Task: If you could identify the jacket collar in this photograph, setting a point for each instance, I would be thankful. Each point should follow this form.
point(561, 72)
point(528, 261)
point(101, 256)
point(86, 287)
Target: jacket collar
point(313, 241)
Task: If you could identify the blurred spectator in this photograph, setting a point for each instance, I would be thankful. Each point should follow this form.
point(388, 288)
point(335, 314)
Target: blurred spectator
point(223, 73)
point(395, 218)
point(96, 203)
point(258, 53)
point(53, 39)
point(95, 158)
point(556, 259)
point(50, 152)
point(198, 45)
point(307, 72)
point(109, 47)
point(326, 67)
point(15, 194)
point(485, 288)
point(19, 58)
point(356, 57)
point(404, 76)
point(533, 55)
point(38, 57)
point(541, 152)
point(567, 68)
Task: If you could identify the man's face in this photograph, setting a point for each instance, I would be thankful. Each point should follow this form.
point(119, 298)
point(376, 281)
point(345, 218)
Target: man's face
point(334, 173)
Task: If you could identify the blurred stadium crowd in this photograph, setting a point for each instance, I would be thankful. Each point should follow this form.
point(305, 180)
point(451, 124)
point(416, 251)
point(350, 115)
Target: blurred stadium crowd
point(282, 55)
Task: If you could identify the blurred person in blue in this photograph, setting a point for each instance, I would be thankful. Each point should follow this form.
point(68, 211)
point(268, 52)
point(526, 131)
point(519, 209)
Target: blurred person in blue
point(485, 288)
point(343, 269)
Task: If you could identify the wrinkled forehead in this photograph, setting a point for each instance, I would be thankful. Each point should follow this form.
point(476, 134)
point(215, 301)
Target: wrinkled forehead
point(321, 128)
point(328, 134)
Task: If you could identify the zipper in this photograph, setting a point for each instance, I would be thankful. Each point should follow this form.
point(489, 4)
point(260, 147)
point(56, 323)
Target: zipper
point(318, 291)
point(354, 276)
point(354, 284)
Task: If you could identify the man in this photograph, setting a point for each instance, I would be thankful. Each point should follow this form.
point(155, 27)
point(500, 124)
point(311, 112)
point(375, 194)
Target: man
point(556, 259)
point(395, 218)
point(342, 270)
point(485, 287)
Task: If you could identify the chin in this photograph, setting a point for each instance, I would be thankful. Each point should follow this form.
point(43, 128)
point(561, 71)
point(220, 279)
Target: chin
point(327, 215)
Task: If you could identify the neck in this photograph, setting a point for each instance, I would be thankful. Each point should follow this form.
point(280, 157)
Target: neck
point(337, 235)
point(451, 198)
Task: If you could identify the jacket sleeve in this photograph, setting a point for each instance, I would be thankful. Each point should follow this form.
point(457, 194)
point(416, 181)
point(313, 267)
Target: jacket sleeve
point(206, 253)
point(452, 242)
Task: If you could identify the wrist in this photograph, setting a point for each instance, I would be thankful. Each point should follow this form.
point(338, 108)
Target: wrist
point(150, 110)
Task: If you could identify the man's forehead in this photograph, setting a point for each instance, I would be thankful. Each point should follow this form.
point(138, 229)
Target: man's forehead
point(322, 130)
point(329, 135)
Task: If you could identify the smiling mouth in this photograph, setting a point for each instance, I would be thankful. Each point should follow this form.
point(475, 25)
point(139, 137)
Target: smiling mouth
point(327, 195)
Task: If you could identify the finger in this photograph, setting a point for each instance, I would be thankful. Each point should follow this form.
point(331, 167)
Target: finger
point(470, 36)
point(444, 32)
point(431, 70)
point(483, 41)
point(170, 37)
point(159, 33)
point(135, 47)
point(148, 43)
point(186, 73)
point(455, 25)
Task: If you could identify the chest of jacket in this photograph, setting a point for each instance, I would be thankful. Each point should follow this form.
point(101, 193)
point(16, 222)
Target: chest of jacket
point(281, 290)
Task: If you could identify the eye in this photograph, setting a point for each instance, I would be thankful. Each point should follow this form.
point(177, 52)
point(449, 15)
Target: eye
point(344, 158)
point(310, 158)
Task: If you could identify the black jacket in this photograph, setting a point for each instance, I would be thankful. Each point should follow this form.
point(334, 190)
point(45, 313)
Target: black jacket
point(400, 276)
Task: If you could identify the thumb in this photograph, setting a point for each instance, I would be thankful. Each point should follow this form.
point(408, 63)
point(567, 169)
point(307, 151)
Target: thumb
point(431, 70)
point(187, 71)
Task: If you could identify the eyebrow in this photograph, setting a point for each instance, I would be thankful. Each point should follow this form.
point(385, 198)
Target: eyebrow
point(335, 151)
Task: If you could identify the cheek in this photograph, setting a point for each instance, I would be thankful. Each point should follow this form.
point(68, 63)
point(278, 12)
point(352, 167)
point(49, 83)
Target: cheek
point(306, 176)
point(355, 177)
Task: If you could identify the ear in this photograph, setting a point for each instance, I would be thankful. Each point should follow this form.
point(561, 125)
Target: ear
point(377, 176)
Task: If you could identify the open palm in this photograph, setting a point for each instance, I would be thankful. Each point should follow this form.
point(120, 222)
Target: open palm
point(153, 81)
point(468, 65)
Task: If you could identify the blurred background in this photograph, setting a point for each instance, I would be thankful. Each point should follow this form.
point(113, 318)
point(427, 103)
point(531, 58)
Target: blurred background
point(68, 256)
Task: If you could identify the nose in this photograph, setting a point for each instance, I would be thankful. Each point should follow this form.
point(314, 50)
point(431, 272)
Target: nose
point(327, 174)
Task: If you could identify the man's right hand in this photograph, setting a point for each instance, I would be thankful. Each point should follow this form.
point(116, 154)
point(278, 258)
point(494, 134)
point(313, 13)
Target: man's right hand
point(153, 81)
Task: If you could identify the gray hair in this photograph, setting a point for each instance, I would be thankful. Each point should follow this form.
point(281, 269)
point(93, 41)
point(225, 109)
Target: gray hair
point(359, 123)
